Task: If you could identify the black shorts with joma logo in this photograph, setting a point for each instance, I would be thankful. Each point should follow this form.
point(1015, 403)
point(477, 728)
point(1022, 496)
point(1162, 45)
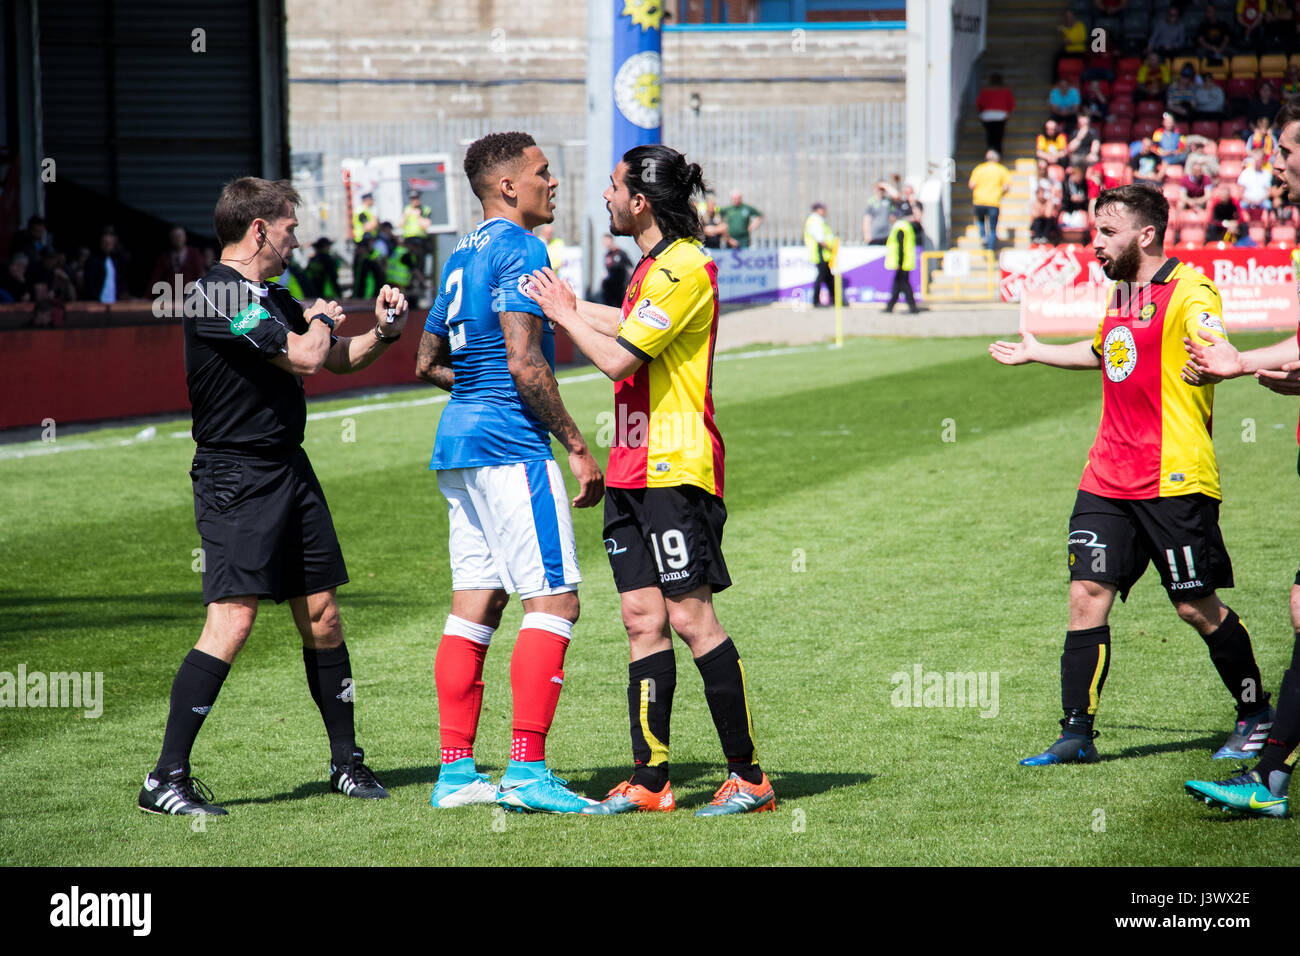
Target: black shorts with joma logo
point(1113, 539)
point(669, 538)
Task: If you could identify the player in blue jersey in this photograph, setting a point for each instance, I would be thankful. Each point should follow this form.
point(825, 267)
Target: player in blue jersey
point(510, 531)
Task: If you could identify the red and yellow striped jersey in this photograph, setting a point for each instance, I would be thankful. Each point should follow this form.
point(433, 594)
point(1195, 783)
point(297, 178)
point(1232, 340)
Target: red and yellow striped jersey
point(1154, 436)
point(665, 434)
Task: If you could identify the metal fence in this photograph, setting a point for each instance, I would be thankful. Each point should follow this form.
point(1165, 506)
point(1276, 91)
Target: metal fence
point(781, 159)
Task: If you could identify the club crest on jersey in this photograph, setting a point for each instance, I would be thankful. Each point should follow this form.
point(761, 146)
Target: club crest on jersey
point(1119, 353)
point(648, 314)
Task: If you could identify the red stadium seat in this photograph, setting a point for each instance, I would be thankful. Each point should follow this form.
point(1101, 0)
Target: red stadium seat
point(1231, 148)
point(1114, 152)
point(1207, 128)
point(1150, 108)
point(1118, 131)
point(1117, 172)
point(1172, 191)
point(1283, 234)
point(1069, 67)
point(1282, 244)
point(1102, 61)
point(1128, 66)
point(1173, 173)
point(1242, 87)
point(1231, 128)
point(1121, 106)
point(1123, 89)
point(1189, 234)
point(1211, 147)
point(1234, 189)
point(1229, 170)
point(1145, 127)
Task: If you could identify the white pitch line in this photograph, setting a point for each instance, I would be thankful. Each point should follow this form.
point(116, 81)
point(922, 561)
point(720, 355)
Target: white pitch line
point(36, 449)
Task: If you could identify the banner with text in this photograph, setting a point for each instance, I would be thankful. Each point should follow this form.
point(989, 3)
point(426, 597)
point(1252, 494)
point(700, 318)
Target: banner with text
point(786, 274)
point(1062, 289)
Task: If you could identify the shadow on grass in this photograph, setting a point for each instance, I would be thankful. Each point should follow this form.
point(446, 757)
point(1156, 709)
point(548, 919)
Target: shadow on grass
point(1210, 743)
point(599, 781)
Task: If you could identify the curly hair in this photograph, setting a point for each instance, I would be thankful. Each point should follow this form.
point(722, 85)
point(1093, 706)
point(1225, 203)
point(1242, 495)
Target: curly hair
point(488, 152)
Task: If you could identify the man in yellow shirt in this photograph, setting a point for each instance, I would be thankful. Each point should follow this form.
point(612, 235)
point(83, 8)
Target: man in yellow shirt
point(989, 182)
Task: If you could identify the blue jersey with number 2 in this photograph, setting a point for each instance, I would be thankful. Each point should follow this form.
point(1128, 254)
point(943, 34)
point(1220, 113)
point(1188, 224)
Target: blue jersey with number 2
point(486, 422)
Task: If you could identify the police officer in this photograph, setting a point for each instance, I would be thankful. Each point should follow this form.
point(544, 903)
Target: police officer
point(262, 518)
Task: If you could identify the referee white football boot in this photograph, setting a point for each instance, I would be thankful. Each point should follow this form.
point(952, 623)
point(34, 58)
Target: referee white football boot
point(355, 779)
point(186, 796)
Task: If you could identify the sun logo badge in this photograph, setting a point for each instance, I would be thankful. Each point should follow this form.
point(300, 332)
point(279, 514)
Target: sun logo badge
point(647, 14)
point(1119, 353)
point(636, 89)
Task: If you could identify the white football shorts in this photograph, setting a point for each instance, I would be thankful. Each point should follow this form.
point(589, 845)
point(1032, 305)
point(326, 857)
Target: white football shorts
point(510, 528)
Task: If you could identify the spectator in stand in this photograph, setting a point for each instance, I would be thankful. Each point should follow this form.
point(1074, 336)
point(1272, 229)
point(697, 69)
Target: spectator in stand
point(1250, 17)
point(995, 105)
point(875, 219)
point(50, 279)
point(34, 240)
point(1197, 150)
point(1095, 102)
point(715, 230)
point(1151, 90)
point(181, 260)
point(1278, 31)
point(1051, 145)
point(1261, 137)
point(1074, 206)
point(1153, 68)
point(1074, 39)
point(1291, 82)
point(1042, 217)
point(989, 182)
point(1063, 103)
point(1208, 102)
point(1044, 181)
point(1169, 36)
point(1265, 105)
point(14, 281)
point(1147, 165)
point(1194, 191)
point(1180, 99)
point(1169, 141)
point(1255, 182)
point(1224, 221)
point(209, 257)
point(1212, 38)
point(1084, 146)
point(322, 271)
point(104, 279)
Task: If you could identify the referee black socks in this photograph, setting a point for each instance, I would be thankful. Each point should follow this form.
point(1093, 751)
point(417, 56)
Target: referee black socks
point(727, 694)
point(1234, 659)
point(329, 675)
point(651, 682)
point(194, 691)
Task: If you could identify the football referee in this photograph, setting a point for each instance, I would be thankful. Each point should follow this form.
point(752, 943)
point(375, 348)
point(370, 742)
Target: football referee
point(1150, 490)
point(265, 528)
point(663, 488)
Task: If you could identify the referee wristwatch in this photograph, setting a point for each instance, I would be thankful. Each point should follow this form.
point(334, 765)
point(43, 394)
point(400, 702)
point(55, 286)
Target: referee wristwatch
point(322, 317)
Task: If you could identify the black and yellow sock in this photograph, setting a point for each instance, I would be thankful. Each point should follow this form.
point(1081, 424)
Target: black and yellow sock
point(194, 691)
point(725, 690)
point(1084, 665)
point(651, 682)
point(1234, 659)
point(329, 675)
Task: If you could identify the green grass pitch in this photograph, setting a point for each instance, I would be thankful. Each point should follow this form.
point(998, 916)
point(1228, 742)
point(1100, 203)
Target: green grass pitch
point(862, 543)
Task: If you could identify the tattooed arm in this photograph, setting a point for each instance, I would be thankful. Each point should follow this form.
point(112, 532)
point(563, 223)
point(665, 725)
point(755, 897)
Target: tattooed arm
point(433, 361)
point(536, 385)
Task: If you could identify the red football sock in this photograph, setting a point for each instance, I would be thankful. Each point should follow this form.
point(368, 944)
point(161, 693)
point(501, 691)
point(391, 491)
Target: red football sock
point(458, 674)
point(536, 677)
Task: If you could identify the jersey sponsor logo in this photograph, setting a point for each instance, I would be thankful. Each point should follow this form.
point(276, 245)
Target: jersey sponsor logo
point(1210, 321)
point(651, 315)
point(247, 318)
point(611, 547)
point(1177, 476)
point(1119, 353)
point(1086, 538)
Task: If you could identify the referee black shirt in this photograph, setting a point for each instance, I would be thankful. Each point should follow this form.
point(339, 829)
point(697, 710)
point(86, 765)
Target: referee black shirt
point(241, 401)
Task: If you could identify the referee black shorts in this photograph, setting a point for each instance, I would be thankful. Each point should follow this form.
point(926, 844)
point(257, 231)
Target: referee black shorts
point(1112, 539)
point(264, 526)
point(669, 538)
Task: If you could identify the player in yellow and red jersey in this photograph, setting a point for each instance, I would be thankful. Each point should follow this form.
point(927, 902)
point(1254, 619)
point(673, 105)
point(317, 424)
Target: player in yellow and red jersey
point(663, 500)
point(1150, 489)
point(1262, 791)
